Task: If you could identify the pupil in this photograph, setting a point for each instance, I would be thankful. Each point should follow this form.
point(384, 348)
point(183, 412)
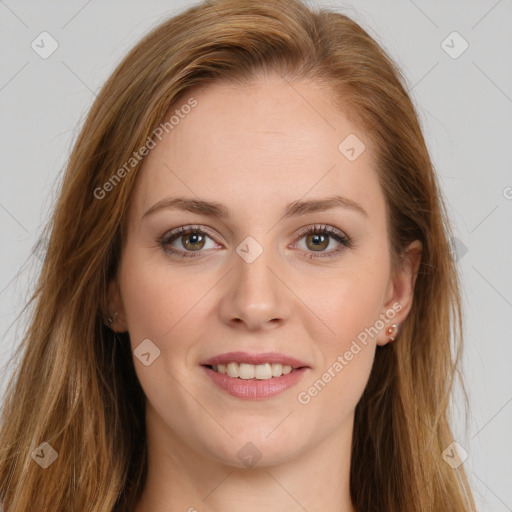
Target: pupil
point(193, 239)
point(319, 240)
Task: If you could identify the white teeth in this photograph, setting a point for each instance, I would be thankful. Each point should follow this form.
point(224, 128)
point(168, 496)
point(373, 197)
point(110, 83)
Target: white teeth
point(263, 371)
point(246, 371)
point(277, 370)
point(250, 371)
point(233, 370)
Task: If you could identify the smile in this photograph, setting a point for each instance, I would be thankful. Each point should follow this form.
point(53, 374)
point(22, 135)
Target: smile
point(250, 371)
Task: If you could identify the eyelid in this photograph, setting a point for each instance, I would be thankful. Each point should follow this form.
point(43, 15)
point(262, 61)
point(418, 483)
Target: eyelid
point(321, 227)
point(188, 228)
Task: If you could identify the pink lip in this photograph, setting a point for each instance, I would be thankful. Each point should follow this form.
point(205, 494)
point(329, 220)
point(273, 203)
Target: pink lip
point(245, 357)
point(254, 389)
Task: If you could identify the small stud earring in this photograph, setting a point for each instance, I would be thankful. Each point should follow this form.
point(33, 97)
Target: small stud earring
point(111, 320)
point(391, 331)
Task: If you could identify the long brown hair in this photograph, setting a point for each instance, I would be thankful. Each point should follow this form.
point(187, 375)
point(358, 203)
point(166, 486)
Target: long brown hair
point(76, 387)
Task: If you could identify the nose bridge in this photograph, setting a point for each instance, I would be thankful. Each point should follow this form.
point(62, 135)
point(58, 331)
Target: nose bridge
point(256, 296)
point(252, 269)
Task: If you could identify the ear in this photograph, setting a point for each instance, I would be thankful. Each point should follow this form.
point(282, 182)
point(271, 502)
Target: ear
point(115, 305)
point(400, 290)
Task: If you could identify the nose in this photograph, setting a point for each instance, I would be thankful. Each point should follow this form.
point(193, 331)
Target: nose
point(255, 296)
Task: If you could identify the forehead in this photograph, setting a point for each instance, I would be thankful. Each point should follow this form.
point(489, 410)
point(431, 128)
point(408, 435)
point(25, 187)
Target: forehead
point(267, 140)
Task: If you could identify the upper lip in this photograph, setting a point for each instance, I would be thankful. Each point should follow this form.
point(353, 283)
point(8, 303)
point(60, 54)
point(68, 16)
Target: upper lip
point(255, 359)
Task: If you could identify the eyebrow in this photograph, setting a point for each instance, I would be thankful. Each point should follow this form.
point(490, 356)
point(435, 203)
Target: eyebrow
point(215, 209)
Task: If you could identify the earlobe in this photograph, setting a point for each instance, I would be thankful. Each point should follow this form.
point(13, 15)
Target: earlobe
point(402, 292)
point(115, 317)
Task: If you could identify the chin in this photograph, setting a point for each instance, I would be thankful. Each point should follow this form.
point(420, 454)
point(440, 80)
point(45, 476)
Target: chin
point(252, 448)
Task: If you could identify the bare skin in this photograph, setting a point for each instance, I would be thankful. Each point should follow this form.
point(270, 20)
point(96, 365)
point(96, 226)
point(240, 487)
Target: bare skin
point(256, 149)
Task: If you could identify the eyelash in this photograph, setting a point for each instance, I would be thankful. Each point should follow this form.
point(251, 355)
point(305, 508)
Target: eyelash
point(318, 229)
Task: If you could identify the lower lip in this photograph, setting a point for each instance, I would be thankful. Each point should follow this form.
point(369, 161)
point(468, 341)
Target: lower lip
point(255, 389)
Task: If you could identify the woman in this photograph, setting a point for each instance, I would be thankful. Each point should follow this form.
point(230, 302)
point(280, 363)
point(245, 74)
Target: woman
point(248, 295)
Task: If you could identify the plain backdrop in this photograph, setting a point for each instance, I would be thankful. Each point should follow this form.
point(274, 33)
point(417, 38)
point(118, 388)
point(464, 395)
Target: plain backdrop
point(461, 84)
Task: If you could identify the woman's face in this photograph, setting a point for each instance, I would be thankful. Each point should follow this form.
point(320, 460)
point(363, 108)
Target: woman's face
point(275, 160)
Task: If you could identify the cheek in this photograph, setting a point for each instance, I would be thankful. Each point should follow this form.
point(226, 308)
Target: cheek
point(157, 298)
point(350, 299)
point(170, 307)
point(349, 305)
point(167, 307)
point(331, 397)
point(348, 351)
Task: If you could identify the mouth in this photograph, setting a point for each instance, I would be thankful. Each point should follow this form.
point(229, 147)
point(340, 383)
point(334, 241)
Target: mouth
point(254, 376)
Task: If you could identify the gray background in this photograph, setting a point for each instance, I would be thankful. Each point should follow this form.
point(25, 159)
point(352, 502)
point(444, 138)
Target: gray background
point(465, 105)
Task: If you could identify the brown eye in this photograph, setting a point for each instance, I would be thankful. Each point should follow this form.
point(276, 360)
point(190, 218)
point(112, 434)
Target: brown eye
point(317, 242)
point(193, 241)
point(325, 241)
point(187, 241)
